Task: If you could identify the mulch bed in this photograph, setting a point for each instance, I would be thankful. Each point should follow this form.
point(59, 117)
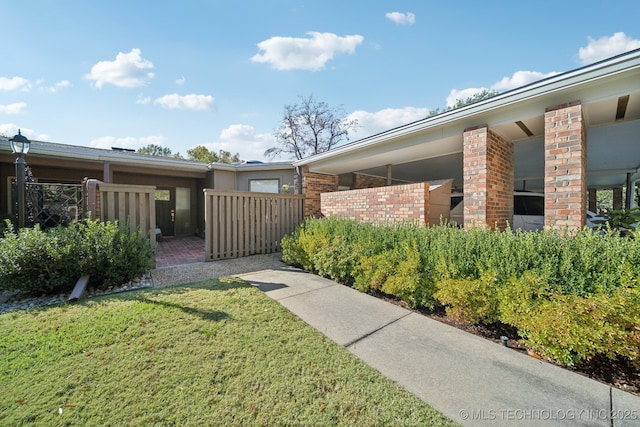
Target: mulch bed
point(619, 373)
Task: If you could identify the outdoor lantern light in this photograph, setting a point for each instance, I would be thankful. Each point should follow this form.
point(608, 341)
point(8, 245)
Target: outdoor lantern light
point(20, 145)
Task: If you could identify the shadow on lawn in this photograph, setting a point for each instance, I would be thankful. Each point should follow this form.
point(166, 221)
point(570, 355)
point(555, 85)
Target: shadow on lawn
point(215, 316)
point(146, 295)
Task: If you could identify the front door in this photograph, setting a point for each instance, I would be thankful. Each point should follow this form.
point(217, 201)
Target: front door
point(166, 210)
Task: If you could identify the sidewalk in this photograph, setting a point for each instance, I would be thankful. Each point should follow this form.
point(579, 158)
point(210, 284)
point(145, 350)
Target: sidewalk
point(473, 381)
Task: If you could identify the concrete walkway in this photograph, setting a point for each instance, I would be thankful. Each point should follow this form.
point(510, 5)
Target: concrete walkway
point(473, 381)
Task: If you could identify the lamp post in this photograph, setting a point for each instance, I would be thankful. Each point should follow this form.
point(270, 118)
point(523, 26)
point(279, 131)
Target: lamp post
point(20, 145)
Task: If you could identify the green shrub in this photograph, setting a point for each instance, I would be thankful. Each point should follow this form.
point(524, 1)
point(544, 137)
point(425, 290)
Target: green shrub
point(398, 272)
point(300, 248)
point(337, 260)
point(34, 260)
point(570, 328)
point(470, 301)
point(571, 296)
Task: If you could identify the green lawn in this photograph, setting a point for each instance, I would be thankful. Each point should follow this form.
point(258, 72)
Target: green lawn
point(218, 352)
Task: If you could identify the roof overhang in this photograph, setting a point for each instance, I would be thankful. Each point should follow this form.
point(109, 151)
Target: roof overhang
point(517, 115)
point(116, 157)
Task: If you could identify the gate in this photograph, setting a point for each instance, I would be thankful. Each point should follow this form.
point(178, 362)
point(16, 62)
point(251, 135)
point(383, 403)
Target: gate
point(51, 204)
point(239, 224)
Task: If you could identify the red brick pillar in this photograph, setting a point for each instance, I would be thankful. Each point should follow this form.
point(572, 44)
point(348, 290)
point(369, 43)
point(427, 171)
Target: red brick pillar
point(565, 166)
point(314, 184)
point(488, 178)
point(617, 198)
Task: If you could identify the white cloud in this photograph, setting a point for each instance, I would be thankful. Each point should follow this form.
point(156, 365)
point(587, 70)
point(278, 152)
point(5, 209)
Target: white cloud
point(520, 78)
point(128, 70)
point(401, 18)
point(185, 102)
point(57, 86)
point(11, 129)
point(107, 142)
point(606, 47)
point(144, 100)
point(289, 53)
point(14, 83)
point(15, 108)
point(244, 140)
point(182, 80)
point(462, 94)
point(383, 120)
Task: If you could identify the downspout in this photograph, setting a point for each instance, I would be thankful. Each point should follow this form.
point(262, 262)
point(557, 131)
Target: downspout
point(631, 202)
point(628, 202)
point(299, 179)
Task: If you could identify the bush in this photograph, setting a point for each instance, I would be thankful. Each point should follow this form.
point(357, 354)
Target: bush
point(571, 296)
point(570, 328)
point(49, 261)
point(398, 272)
point(470, 301)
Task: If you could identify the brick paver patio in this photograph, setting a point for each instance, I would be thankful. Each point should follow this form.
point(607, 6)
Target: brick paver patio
point(179, 251)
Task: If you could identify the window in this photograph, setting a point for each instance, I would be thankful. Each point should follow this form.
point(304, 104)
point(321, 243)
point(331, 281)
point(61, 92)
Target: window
point(264, 185)
point(528, 204)
point(163, 195)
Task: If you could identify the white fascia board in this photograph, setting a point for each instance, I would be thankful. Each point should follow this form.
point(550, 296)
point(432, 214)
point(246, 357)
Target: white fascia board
point(239, 167)
point(583, 76)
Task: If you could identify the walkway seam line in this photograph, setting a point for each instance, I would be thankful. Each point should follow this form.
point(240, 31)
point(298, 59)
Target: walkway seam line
point(307, 292)
point(368, 334)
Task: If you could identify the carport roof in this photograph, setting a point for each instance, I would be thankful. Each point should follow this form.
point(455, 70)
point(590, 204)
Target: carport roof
point(609, 92)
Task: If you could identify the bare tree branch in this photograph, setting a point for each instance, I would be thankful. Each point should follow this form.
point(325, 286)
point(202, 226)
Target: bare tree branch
point(310, 127)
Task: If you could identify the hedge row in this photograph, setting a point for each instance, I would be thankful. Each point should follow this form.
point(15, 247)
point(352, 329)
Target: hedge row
point(50, 261)
point(570, 297)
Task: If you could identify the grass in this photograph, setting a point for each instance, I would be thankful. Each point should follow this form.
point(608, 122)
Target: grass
point(217, 352)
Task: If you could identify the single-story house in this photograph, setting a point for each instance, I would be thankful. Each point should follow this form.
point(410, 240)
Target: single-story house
point(566, 136)
point(179, 183)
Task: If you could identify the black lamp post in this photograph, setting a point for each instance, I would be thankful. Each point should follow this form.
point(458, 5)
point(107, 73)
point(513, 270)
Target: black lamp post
point(20, 145)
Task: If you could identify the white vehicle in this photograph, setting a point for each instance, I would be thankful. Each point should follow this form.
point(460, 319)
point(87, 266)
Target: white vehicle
point(528, 210)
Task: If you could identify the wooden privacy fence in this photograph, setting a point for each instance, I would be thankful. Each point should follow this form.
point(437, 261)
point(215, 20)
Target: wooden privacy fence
point(133, 203)
point(241, 223)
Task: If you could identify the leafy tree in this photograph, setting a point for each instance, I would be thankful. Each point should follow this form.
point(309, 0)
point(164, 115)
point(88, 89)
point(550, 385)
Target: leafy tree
point(158, 150)
point(310, 127)
point(477, 97)
point(202, 154)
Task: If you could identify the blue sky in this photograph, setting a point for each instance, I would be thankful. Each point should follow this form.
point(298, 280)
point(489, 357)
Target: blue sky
point(219, 73)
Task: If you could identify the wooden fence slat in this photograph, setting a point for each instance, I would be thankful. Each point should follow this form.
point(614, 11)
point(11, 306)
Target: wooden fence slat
point(132, 203)
point(244, 223)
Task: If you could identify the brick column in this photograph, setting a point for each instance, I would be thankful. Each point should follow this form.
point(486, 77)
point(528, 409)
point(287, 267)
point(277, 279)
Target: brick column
point(565, 166)
point(314, 184)
point(617, 198)
point(593, 200)
point(488, 178)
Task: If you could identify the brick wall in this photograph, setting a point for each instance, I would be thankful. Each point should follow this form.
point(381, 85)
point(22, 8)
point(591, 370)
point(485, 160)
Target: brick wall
point(565, 166)
point(488, 178)
point(400, 203)
point(314, 184)
point(367, 181)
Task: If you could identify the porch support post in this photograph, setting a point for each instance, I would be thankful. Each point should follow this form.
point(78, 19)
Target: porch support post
point(593, 200)
point(617, 198)
point(106, 172)
point(314, 184)
point(565, 167)
point(389, 175)
point(488, 178)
